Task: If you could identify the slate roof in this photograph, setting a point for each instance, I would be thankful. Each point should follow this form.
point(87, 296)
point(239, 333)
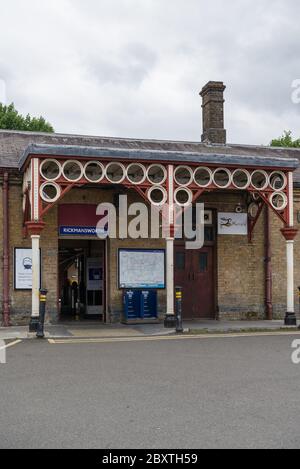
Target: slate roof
point(185, 157)
point(13, 145)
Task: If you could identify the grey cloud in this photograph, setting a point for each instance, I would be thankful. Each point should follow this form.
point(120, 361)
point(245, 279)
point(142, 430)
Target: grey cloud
point(129, 66)
point(132, 68)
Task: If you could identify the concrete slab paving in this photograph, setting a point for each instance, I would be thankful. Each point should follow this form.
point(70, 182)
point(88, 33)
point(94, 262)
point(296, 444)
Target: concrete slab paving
point(102, 332)
point(119, 330)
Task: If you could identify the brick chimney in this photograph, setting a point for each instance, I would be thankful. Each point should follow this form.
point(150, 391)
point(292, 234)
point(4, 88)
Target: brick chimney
point(213, 112)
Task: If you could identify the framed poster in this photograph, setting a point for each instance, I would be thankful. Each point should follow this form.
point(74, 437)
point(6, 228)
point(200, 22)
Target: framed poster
point(233, 224)
point(23, 269)
point(142, 269)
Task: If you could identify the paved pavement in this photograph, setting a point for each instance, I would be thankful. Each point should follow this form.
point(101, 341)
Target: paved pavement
point(156, 393)
point(93, 329)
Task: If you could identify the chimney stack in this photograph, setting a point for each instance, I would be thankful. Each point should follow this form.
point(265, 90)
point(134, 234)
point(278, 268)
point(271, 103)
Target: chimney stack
point(213, 112)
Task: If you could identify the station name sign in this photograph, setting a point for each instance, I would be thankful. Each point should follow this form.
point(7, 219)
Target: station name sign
point(79, 220)
point(79, 231)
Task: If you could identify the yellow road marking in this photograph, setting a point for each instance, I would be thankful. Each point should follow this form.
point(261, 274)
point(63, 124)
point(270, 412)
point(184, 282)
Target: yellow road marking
point(163, 338)
point(11, 344)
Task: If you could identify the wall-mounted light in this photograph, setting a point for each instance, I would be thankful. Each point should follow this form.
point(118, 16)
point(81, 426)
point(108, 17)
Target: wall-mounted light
point(239, 208)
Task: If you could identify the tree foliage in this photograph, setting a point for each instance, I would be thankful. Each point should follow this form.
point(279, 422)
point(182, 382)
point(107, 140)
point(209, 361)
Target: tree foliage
point(10, 119)
point(286, 140)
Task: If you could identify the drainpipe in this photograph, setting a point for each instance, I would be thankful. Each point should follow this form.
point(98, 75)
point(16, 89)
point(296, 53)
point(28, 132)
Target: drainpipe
point(6, 309)
point(268, 267)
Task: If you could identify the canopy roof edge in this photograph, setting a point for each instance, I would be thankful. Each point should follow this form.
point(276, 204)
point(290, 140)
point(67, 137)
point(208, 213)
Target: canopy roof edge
point(171, 157)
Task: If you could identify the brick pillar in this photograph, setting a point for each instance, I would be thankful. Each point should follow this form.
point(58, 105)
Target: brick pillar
point(213, 112)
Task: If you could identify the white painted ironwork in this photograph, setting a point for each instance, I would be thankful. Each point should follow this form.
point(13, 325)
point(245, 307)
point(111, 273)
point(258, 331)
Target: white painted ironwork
point(157, 174)
point(50, 192)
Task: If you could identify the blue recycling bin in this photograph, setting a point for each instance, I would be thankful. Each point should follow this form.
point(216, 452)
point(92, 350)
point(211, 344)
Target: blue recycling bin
point(132, 307)
point(148, 301)
point(140, 304)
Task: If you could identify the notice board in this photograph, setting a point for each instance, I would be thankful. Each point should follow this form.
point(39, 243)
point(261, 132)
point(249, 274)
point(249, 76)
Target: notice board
point(23, 269)
point(142, 268)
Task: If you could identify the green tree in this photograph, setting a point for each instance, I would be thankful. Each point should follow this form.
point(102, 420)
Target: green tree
point(286, 140)
point(10, 119)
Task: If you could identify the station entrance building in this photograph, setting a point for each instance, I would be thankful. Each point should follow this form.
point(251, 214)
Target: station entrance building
point(52, 185)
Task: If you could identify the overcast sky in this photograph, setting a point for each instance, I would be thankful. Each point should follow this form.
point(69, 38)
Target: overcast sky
point(134, 68)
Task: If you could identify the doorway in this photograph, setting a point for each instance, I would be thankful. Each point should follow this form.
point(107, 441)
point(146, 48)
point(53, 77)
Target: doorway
point(81, 281)
point(195, 272)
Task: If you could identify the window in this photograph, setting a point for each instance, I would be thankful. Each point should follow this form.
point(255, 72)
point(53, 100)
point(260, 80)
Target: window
point(180, 261)
point(209, 234)
point(203, 261)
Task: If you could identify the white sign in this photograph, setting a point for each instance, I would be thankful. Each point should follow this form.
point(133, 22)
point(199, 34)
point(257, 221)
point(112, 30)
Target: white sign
point(94, 274)
point(233, 224)
point(141, 269)
point(23, 269)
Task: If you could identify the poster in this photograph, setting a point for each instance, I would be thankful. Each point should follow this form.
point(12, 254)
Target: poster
point(23, 269)
point(233, 224)
point(94, 274)
point(140, 268)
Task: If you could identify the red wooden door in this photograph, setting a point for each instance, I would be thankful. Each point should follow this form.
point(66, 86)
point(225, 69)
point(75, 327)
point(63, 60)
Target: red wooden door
point(194, 272)
point(183, 268)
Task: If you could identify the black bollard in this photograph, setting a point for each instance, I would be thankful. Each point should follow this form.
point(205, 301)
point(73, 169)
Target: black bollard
point(179, 326)
point(43, 298)
point(299, 303)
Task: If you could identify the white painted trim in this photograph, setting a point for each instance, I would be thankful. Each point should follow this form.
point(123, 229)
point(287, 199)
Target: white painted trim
point(244, 171)
point(36, 275)
point(229, 178)
point(164, 171)
point(209, 171)
point(164, 193)
point(260, 171)
point(53, 184)
point(285, 181)
point(170, 276)
point(290, 276)
point(190, 195)
point(284, 199)
point(171, 194)
point(144, 171)
point(117, 164)
point(73, 162)
point(100, 166)
point(50, 160)
point(35, 189)
point(178, 168)
point(291, 198)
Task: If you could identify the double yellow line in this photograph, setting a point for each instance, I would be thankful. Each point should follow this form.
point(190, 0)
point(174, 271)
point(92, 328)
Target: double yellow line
point(110, 340)
point(11, 344)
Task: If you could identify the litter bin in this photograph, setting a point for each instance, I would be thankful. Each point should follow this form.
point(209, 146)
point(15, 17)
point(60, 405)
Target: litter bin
point(140, 305)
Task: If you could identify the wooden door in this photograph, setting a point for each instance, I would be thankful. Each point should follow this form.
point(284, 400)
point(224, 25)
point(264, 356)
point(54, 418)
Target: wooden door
point(195, 273)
